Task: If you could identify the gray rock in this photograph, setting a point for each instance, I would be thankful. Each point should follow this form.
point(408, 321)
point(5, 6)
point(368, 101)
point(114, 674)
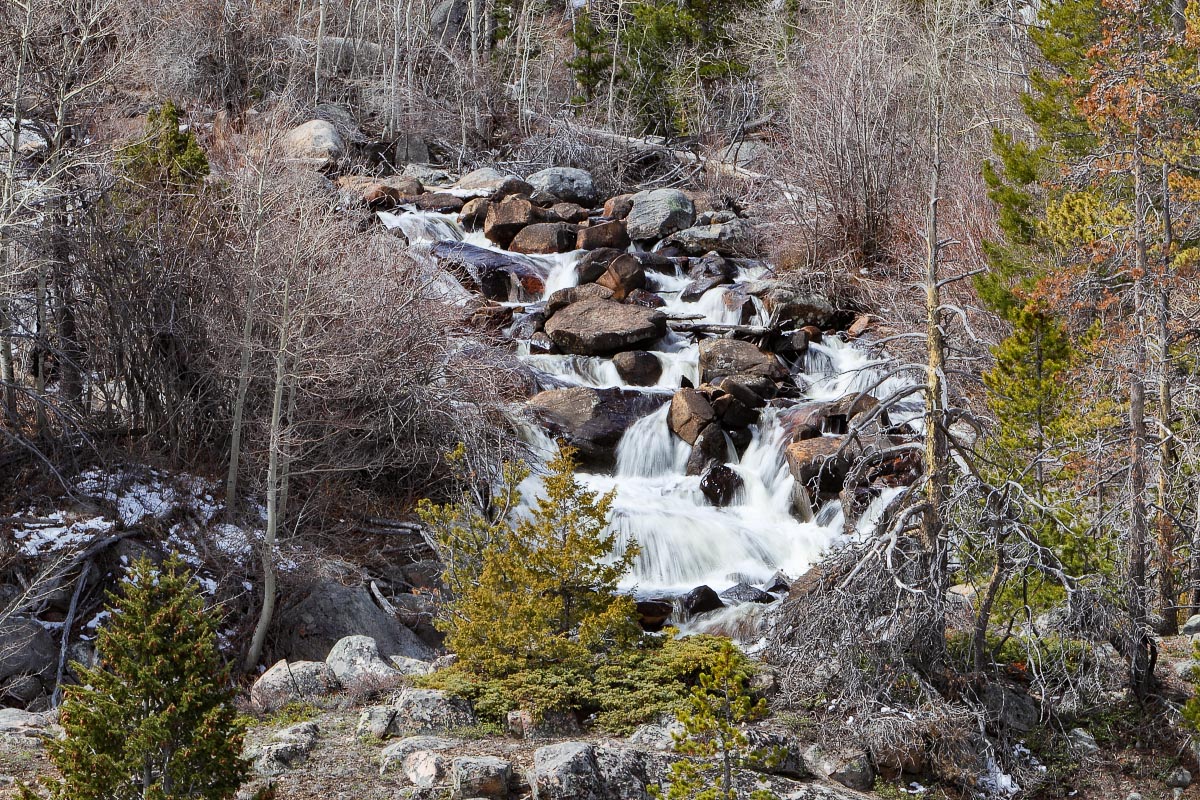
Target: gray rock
point(286, 748)
point(427, 175)
point(480, 776)
point(628, 774)
point(567, 771)
point(394, 754)
point(330, 612)
point(745, 593)
point(1192, 626)
point(14, 721)
point(722, 358)
point(1179, 778)
point(787, 304)
point(376, 722)
point(638, 368)
point(411, 666)
point(411, 149)
point(448, 22)
point(603, 327)
point(1187, 669)
point(850, 767)
point(567, 184)
point(300, 680)
point(355, 660)
point(26, 648)
point(1082, 742)
point(548, 725)
point(733, 238)
point(747, 153)
point(657, 737)
point(431, 711)
point(316, 140)
point(1010, 710)
point(659, 213)
point(424, 768)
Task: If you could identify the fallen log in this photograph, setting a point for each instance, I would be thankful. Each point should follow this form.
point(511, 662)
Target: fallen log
point(720, 329)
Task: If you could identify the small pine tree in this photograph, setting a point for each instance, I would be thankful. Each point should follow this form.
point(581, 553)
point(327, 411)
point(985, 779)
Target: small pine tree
point(714, 736)
point(155, 720)
point(593, 61)
point(537, 588)
point(165, 156)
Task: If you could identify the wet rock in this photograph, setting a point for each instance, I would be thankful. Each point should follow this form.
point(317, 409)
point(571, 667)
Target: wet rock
point(473, 213)
point(494, 275)
point(604, 234)
point(329, 612)
point(540, 345)
point(701, 600)
point(645, 299)
point(506, 218)
point(284, 683)
point(603, 327)
point(790, 305)
point(792, 344)
point(779, 583)
point(720, 484)
point(526, 325)
point(595, 263)
point(658, 213)
point(721, 358)
point(814, 333)
point(733, 238)
point(566, 184)
point(656, 262)
point(618, 207)
point(491, 316)
point(544, 237)
point(820, 463)
point(561, 298)
point(438, 202)
point(711, 447)
point(653, 614)
point(623, 275)
point(549, 725)
point(690, 414)
point(378, 192)
point(592, 420)
point(740, 438)
point(316, 140)
point(568, 212)
point(567, 771)
point(848, 766)
point(745, 593)
point(746, 389)
point(479, 776)
point(638, 368)
point(733, 413)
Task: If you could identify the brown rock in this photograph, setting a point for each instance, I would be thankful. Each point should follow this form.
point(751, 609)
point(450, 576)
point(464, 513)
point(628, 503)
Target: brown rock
point(568, 212)
point(618, 207)
point(720, 358)
point(562, 298)
point(438, 202)
point(592, 420)
point(861, 325)
point(379, 192)
point(733, 413)
point(474, 212)
point(544, 237)
point(641, 297)
point(604, 234)
point(653, 614)
point(602, 327)
point(638, 368)
point(821, 463)
point(690, 414)
point(624, 274)
point(594, 264)
point(505, 219)
point(814, 333)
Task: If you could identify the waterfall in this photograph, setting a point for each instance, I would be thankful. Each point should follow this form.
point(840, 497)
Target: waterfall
point(684, 540)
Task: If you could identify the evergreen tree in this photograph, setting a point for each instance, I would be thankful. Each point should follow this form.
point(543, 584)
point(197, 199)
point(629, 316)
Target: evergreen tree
point(155, 719)
point(166, 155)
point(714, 737)
point(533, 587)
point(593, 61)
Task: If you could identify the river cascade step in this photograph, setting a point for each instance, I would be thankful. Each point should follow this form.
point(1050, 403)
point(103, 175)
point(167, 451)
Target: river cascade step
point(707, 391)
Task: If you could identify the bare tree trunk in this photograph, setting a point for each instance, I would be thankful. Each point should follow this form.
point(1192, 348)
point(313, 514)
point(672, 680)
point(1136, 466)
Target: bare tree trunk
point(1164, 523)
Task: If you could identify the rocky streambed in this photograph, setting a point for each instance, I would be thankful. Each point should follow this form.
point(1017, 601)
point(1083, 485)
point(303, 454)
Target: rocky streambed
point(727, 407)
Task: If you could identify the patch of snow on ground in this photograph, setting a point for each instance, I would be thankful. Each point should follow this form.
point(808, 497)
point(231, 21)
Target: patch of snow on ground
point(54, 533)
point(142, 493)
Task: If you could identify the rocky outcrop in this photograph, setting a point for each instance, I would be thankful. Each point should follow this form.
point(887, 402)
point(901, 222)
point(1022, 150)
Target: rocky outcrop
point(592, 420)
point(566, 184)
point(329, 612)
point(284, 683)
point(602, 327)
point(658, 213)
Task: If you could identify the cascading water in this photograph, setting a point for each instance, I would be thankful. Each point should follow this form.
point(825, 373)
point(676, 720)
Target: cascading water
point(684, 540)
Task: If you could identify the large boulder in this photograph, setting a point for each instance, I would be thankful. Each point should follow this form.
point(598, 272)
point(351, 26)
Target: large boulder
point(848, 766)
point(638, 368)
point(700, 600)
point(594, 264)
point(566, 184)
point(330, 612)
point(316, 140)
point(690, 414)
point(567, 771)
point(506, 218)
point(561, 298)
point(479, 776)
point(378, 192)
point(431, 711)
point(733, 238)
point(602, 327)
point(745, 593)
point(789, 305)
point(285, 749)
point(494, 275)
point(592, 420)
point(721, 358)
point(298, 681)
point(545, 237)
point(355, 661)
point(28, 656)
point(399, 752)
point(658, 213)
point(603, 234)
point(492, 183)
